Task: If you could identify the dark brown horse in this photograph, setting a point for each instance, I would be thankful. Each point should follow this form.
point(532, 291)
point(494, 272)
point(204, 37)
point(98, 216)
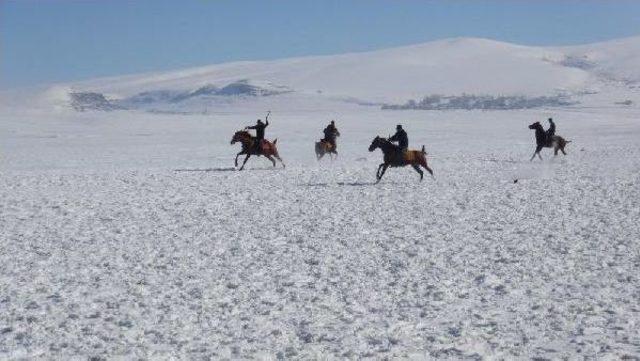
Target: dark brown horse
point(323, 147)
point(266, 149)
point(543, 141)
point(414, 158)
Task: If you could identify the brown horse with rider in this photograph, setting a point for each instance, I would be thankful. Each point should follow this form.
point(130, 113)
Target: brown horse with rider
point(256, 145)
point(397, 157)
point(328, 145)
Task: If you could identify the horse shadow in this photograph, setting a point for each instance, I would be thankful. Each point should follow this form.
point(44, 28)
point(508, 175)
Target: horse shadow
point(343, 184)
point(221, 169)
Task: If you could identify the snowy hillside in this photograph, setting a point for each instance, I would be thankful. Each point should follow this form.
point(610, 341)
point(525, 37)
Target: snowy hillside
point(600, 73)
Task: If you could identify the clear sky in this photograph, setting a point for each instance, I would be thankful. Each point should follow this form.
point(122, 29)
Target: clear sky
point(45, 41)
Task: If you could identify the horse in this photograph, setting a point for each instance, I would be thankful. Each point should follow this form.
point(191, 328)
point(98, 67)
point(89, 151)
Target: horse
point(542, 141)
point(267, 148)
point(324, 147)
point(414, 158)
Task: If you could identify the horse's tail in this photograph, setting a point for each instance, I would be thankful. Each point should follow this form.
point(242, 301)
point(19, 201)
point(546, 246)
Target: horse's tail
point(568, 141)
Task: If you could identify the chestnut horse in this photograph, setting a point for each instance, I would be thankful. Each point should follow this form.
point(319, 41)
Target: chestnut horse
point(414, 158)
point(267, 149)
point(323, 147)
point(542, 141)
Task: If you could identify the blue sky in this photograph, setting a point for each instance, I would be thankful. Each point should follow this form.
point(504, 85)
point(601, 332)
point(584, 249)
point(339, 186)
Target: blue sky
point(45, 41)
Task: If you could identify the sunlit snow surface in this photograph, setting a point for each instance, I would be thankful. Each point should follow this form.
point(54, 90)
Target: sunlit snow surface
point(127, 235)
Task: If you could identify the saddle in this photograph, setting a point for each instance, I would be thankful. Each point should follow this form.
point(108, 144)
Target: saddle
point(549, 140)
point(403, 157)
point(400, 157)
point(410, 156)
point(327, 144)
point(262, 147)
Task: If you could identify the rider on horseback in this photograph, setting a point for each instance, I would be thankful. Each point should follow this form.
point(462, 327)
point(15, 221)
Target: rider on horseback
point(551, 131)
point(259, 127)
point(402, 139)
point(330, 134)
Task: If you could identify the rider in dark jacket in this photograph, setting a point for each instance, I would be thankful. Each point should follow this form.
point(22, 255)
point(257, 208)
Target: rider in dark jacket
point(259, 128)
point(400, 137)
point(330, 133)
point(552, 130)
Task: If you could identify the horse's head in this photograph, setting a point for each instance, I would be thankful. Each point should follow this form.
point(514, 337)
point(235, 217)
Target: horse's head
point(375, 143)
point(535, 125)
point(240, 136)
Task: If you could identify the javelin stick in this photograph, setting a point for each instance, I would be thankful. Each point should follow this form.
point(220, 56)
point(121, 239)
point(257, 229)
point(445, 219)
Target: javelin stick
point(267, 117)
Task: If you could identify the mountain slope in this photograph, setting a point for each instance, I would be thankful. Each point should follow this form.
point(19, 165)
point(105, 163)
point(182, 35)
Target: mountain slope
point(448, 67)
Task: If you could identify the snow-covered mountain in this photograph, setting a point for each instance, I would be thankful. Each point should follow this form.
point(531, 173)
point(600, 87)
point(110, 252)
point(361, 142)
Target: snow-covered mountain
point(602, 73)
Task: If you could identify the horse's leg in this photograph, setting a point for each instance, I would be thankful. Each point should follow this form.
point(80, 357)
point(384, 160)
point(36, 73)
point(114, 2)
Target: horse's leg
point(429, 170)
point(384, 169)
point(537, 151)
point(417, 168)
point(424, 164)
point(378, 171)
point(280, 159)
point(271, 159)
point(245, 161)
point(237, 155)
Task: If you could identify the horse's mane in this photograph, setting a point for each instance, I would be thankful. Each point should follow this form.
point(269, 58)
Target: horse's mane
point(383, 139)
point(243, 132)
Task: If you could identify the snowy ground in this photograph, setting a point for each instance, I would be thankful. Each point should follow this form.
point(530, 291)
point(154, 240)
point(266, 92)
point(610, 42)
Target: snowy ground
point(129, 236)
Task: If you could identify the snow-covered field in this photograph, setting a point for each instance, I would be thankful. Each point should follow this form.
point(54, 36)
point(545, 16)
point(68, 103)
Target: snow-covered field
point(129, 235)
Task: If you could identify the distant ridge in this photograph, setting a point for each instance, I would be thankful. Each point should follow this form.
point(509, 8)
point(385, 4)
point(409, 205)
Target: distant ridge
point(447, 68)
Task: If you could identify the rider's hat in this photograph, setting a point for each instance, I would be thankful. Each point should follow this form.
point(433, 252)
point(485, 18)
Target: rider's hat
point(399, 126)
